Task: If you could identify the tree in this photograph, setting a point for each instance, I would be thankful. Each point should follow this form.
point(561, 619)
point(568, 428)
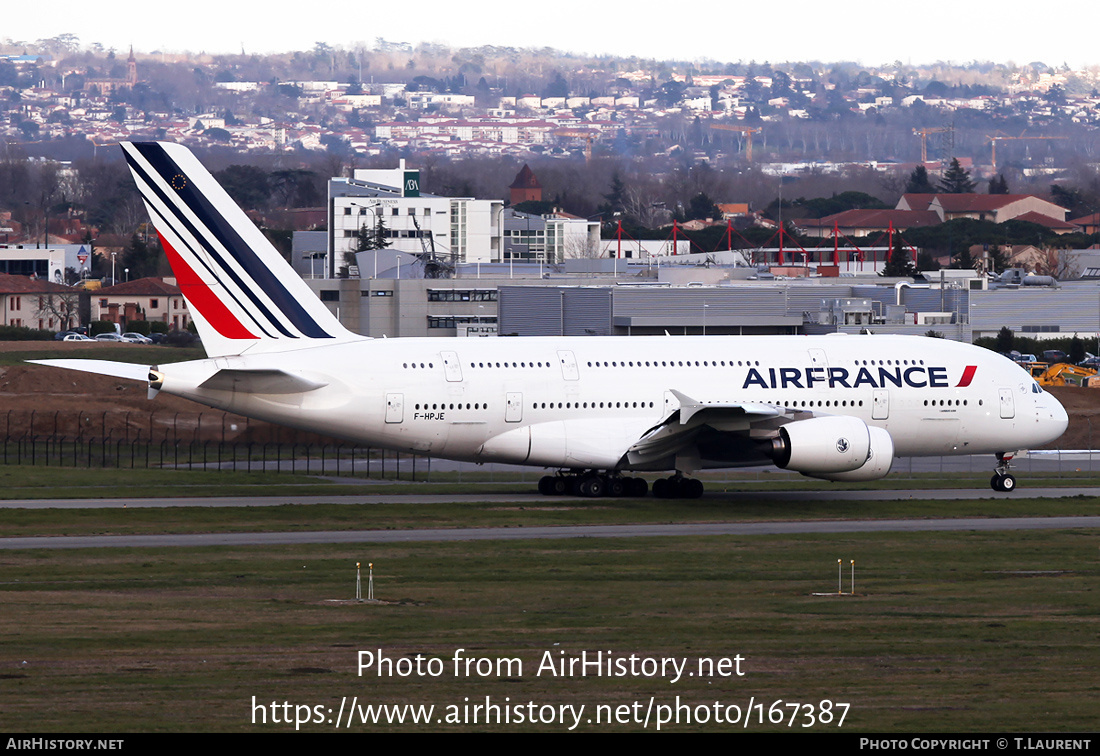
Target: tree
point(926, 261)
point(1076, 350)
point(998, 185)
point(919, 182)
point(140, 258)
point(702, 207)
point(1005, 339)
point(248, 185)
point(64, 306)
point(368, 238)
point(956, 180)
point(899, 265)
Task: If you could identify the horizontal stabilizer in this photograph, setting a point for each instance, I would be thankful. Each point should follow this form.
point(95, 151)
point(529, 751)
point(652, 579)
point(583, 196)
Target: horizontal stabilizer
point(128, 370)
point(259, 382)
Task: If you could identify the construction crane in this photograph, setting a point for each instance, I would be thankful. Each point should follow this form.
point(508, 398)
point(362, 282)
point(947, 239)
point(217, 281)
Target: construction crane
point(748, 131)
point(434, 266)
point(588, 136)
point(1000, 138)
point(924, 138)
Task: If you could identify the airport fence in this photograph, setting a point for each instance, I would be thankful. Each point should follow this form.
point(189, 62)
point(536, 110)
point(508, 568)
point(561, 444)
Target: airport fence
point(199, 441)
point(223, 441)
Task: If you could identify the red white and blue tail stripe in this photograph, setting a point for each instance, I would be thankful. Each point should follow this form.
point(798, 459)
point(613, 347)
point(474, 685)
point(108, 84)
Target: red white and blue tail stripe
point(241, 294)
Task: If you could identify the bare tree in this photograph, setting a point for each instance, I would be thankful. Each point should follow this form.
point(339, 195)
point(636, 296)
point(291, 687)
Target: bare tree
point(60, 305)
point(580, 248)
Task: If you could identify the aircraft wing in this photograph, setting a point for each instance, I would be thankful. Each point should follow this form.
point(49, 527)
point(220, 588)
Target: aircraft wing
point(259, 382)
point(730, 430)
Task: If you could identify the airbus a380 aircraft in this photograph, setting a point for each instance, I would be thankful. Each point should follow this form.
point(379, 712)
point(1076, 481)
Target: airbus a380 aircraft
point(834, 407)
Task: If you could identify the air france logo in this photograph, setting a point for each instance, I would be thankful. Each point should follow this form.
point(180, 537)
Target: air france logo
point(915, 376)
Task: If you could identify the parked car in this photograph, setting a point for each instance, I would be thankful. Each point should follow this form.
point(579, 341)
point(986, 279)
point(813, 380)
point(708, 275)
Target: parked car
point(109, 337)
point(60, 335)
point(76, 337)
point(136, 338)
point(1054, 356)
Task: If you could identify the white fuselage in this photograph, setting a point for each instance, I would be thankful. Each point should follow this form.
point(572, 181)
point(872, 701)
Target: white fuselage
point(582, 402)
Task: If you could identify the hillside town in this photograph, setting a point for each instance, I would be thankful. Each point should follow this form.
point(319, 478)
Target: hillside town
point(414, 169)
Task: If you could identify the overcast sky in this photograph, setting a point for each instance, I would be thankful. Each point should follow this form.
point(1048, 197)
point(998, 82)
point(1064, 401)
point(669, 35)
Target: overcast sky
point(869, 32)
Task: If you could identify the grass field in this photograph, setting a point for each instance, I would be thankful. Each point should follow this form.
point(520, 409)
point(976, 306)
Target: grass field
point(946, 632)
point(959, 632)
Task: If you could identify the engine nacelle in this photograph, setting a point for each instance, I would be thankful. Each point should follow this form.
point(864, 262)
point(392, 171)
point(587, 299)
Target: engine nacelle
point(823, 445)
point(877, 465)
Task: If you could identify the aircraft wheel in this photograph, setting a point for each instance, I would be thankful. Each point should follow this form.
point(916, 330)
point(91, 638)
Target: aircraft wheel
point(638, 487)
point(546, 485)
point(616, 487)
point(593, 486)
point(660, 488)
point(559, 485)
point(1008, 483)
point(691, 489)
point(995, 482)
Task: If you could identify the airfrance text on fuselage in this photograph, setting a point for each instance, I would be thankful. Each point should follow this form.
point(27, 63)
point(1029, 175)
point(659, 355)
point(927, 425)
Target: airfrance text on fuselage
point(917, 376)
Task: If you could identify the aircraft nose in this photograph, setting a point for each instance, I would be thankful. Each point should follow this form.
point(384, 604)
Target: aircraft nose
point(1053, 417)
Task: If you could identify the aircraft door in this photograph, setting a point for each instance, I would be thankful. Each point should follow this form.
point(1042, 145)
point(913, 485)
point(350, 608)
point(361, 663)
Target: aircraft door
point(880, 405)
point(395, 408)
point(451, 366)
point(568, 363)
point(818, 358)
point(513, 411)
point(1008, 409)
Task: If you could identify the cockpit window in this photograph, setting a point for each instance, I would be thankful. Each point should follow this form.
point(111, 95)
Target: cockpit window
point(1036, 388)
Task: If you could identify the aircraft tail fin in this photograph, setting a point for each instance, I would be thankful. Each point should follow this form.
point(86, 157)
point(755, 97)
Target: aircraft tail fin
point(241, 293)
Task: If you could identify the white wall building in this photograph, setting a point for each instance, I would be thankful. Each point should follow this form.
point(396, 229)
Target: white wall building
point(458, 229)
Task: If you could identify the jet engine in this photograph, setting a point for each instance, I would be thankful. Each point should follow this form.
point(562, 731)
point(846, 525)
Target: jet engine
point(834, 448)
point(822, 445)
point(878, 464)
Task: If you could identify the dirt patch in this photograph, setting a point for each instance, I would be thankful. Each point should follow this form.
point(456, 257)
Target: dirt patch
point(36, 400)
point(1083, 407)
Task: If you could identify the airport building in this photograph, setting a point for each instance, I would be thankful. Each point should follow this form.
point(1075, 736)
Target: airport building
point(412, 222)
point(633, 300)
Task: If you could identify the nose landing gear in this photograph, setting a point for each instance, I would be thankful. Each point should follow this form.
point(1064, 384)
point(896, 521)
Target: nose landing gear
point(1003, 480)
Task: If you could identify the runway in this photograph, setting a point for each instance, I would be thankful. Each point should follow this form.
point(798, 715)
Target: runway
point(534, 499)
point(540, 533)
point(556, 532)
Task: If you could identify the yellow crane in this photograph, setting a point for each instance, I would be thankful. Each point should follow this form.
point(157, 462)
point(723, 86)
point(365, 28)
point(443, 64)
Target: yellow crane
point(748, 131)
point(1001, 138)
point(588, 136)
point(924, 138)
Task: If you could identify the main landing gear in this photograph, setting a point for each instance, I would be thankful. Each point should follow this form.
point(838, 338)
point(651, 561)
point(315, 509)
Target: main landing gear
point(677, 487)
point(593, 484)
point(1003, 480)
